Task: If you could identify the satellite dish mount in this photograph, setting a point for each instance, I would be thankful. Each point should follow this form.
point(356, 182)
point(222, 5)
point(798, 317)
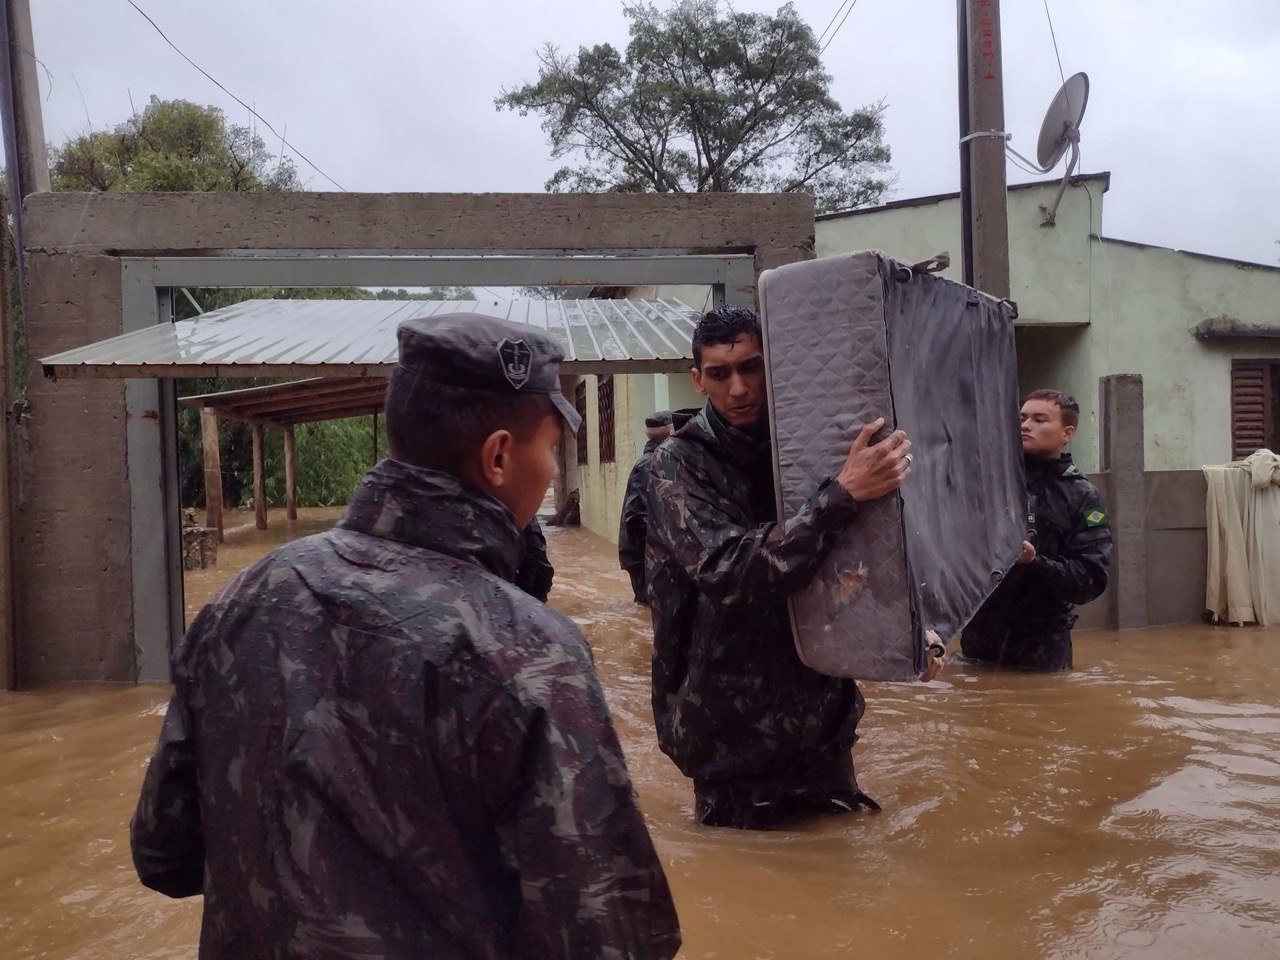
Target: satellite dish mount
point(1060, 132)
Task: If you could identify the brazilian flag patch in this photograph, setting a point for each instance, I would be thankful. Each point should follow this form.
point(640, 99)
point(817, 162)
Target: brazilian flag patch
point(1095, 518)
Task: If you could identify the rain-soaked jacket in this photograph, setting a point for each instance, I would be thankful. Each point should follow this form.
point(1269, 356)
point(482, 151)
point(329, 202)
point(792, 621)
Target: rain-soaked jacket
point(731, 698)
point(1026, 623)
point(378, 747)
point(633, 526)
point(534, 573)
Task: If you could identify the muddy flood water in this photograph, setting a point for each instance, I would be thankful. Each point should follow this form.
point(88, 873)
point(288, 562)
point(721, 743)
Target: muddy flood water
point(1128, 810)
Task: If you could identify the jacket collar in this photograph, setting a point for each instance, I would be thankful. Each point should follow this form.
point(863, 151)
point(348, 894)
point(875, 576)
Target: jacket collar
point(436, 511)
point(743, 447)
point(1059, 466)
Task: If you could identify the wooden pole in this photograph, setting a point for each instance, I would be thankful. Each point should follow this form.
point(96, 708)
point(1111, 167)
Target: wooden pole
point(290, 474)
point(259, 480)
point(212, 470)
point(983, 189)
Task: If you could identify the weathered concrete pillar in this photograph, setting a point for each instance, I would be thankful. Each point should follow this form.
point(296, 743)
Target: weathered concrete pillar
point(259, 480)
point(212, 470)
point(1122, 453)
point(290, 474)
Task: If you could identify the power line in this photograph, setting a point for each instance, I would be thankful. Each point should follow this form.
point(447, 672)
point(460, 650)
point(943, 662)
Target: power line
point(837, 29)
point(839, 9)
point(1049, 16)
point(264, 120)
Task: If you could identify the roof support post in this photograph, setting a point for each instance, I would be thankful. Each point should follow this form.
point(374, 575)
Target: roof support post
point(290, 473)
point(212, 471)
point(259, 480)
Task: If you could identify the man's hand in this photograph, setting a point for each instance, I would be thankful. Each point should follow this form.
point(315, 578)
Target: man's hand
point(1028, 553)
point(874, 470)
point(936, 661)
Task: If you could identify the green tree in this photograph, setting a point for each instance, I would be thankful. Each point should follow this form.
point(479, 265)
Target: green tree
point(171, 145)
point(705, 99)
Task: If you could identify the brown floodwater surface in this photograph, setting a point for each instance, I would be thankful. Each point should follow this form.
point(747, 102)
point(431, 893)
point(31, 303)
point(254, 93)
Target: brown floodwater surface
point(1130, 809)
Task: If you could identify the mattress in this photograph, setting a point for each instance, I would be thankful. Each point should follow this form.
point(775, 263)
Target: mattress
point(849, 339)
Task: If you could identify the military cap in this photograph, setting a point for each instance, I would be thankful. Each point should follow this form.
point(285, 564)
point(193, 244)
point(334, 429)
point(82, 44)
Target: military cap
point(479, 352)
point(659, 418)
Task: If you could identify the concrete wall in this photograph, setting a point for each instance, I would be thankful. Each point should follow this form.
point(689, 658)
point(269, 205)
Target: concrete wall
point(72, 576)
point(1176, 547)
point(73, 525)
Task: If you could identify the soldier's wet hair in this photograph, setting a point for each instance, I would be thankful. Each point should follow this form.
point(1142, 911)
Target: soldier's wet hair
point(439, 426)
point(1063, 401)
point(724, 324)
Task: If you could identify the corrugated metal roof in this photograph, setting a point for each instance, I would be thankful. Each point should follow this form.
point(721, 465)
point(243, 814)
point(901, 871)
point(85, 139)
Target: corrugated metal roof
point(358, 338)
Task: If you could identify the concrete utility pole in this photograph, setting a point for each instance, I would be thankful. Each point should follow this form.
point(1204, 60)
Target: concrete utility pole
point(27, 164)
point(985, 234)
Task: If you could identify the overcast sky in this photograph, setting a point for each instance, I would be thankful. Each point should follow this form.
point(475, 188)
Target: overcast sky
point(398, 94)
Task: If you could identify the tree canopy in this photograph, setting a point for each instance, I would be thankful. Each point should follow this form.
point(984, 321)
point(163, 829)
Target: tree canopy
point(171, 145)
point(705, 99)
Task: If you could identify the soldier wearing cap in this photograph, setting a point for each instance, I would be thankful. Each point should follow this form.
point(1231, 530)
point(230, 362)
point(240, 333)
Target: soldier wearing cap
point(633, 526)
point(378, 746)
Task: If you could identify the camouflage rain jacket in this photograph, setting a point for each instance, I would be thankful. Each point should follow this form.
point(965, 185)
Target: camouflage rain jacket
point(377, 747)
point(634, 523)
point(1026, 623)
point(731, 698)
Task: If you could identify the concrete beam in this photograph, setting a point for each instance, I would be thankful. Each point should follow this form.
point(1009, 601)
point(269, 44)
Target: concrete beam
point(781, 224)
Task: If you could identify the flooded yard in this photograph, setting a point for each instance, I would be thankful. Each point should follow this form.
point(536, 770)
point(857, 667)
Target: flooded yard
point(1130, 809)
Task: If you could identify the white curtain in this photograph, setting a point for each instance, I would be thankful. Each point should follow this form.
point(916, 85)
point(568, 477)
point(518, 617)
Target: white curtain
point(1243, 505)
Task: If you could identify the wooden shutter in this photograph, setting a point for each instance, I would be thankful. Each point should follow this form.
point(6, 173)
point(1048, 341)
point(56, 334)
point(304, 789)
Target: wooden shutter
point(580, 404)
point(604, 393)
point(1253, 406)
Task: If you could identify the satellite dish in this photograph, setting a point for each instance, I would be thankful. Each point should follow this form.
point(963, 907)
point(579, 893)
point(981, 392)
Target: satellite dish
point(1060, 132)
point(1061, 127)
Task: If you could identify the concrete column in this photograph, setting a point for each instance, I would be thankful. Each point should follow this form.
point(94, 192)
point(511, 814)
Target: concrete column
point(259, 480)
point(290, 474)
point(212, 470)
point(1122, 453)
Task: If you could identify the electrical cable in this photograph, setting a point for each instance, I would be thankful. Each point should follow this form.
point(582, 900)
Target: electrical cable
point(832, 20)
point(1061, 73)
point(255, 113)
point(837, 29)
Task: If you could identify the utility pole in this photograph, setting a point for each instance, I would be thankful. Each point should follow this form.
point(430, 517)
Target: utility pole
point(27, 165)
point(983, 201)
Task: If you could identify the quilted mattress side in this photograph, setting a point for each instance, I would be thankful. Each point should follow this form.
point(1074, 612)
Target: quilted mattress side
point(828, 367)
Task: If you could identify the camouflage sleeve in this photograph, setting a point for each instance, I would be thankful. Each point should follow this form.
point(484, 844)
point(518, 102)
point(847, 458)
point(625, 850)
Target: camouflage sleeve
point(535, 574)
point(632, 527)
point(591, 884)
point(731, 561)
point(166, 835)
point(1079, 573)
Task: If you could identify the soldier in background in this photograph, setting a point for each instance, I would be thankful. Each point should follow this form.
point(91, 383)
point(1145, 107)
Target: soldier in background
point(377, 745)
point(1026, 623)
point(633, 527)
point(763, 737)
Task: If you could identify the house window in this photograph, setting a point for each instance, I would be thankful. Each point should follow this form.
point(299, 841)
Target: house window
point(580, 403)
point(604, 393)
point(1255, 406)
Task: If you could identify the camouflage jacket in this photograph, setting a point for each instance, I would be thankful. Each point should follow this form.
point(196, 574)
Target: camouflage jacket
point(632, 527)
point(534, 573)
point(730, 696)
point(378, 747)
point(1026, 623)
